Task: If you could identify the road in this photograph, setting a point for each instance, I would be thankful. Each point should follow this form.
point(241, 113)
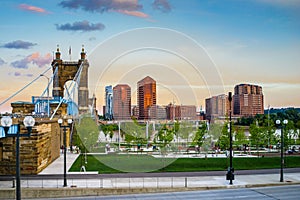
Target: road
point(291, 192)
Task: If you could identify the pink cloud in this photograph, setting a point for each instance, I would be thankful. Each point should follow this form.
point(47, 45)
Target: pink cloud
point(134, 13)
point(34, 58)
point(40, 61)
point(32, 8)
point(126, 7)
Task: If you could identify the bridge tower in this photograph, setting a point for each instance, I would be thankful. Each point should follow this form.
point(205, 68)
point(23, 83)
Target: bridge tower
point(67, 70)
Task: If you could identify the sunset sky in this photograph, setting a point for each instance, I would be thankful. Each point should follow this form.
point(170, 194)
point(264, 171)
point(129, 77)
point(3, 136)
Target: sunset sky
point(193, 48)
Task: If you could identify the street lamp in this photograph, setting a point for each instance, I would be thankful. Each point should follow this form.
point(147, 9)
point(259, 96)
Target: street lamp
point(119, 135)
point(230, 170)
point(60, 122)
point(278, 122)
point(6, 123)
point(48, 109)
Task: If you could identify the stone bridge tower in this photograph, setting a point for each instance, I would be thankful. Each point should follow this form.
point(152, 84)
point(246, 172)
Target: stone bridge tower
point(67, 71)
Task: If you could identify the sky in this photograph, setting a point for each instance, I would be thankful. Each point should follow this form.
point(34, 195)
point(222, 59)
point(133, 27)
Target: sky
point(193, 49)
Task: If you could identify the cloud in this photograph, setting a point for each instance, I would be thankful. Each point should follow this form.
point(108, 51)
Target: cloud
point(21, 64)
point(134, 13)
point(29, 75)
point(102, 5)
point(17, 74)
point(19, 44)
point(80, 26)
point(127, 7)
point(162, 5)
point(2, 62)
point(32, 8)
point(92, 38)
point(34, 58)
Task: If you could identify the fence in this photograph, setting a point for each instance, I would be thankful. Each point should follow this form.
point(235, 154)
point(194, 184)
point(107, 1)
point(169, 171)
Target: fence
point(143, 182)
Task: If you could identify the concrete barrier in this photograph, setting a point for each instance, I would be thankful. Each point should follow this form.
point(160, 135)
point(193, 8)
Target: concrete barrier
point(79, 192)
point(31, 193)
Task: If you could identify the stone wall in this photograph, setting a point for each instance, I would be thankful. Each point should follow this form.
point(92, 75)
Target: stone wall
point(36, 151)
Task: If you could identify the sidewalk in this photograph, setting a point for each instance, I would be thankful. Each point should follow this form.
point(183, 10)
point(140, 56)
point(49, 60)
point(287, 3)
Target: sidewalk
point(57, 167)
point(98, 185)
point(207, 182)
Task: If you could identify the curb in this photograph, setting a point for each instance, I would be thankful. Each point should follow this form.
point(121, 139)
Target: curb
point(77, 192)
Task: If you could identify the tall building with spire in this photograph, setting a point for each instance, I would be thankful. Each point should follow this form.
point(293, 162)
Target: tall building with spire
point(146, 98)
point(248, 100)
point(121, 102)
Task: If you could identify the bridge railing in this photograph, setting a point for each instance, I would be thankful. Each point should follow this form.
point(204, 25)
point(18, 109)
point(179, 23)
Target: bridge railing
point(142, 182)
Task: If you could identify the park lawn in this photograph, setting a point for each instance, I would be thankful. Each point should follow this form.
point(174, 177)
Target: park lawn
point(144, 163)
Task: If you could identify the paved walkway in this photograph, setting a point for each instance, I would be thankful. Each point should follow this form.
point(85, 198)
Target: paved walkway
point(45, 187)
point(202, 181)
point(57, 167)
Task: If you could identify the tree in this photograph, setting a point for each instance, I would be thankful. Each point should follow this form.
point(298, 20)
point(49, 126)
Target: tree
point(257, 136)
point(165, 136)
point(290, 132)
point(87, 132)
point(108, 129)
point(215, 131)
point(224, 140)
point(240, 138)
point(200, 135)
point(185, 131)
point(134, 132)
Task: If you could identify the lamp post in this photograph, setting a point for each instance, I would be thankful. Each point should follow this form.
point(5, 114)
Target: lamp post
point(278, 122)
point(119, 135)
point(28, 122)
point(48, 109)
point(230, 170)
point(64, 127)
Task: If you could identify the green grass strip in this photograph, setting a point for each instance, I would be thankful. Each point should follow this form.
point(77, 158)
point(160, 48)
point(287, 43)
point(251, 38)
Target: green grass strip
point(104, 163)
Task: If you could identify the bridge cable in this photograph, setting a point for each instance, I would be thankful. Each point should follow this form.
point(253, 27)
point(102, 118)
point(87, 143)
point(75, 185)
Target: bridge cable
point(23, 88)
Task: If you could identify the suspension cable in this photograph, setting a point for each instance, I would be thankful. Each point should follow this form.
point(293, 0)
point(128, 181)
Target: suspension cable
point(23, 88)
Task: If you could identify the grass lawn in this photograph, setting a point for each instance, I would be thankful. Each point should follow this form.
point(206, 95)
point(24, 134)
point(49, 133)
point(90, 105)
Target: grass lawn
point(144, 163)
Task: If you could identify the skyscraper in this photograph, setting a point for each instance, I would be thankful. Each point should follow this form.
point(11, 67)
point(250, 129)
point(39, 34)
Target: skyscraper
point(146, 97)
point(108, 102)
point(217, 106)
point(181, 112)
point(121, 102)
point(248, 100)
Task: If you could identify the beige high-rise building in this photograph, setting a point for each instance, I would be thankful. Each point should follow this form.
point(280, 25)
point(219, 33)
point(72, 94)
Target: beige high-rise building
point(248, 100)
point(217, 106)
point(121, 102)
point(146, 97)
point(181, 112)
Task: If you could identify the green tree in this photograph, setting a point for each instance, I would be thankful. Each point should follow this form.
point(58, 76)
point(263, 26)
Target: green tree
point(186, 131)
point(108, 129)
point(224, 140)
point(290, 132)
point(200, 135)
point(87, 132)
point(257, 136)
point(164, 136)
point(134, 132)
point(240, 138)
point(215, 131)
